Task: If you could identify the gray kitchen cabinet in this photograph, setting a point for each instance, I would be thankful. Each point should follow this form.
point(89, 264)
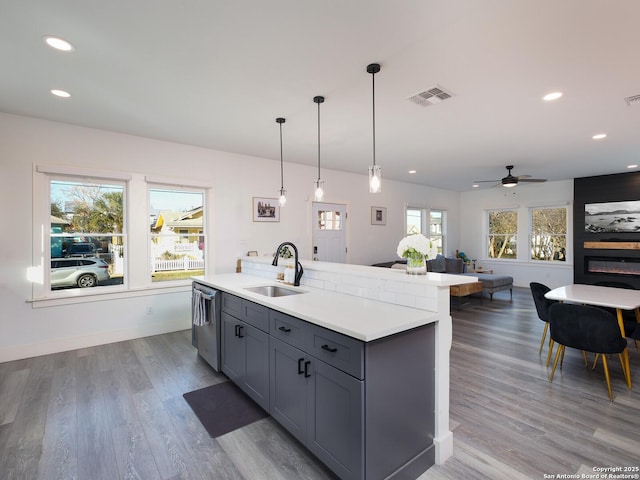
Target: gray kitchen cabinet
point(245, 357)
point(365, 409)
point(289, 387)
point(320, 405)
point(335, 419)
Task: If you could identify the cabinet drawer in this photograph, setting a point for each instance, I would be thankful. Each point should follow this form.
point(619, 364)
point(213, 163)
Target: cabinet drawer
point(231, 304)
point(289, 329)
point(342, 352)
point(256, 315)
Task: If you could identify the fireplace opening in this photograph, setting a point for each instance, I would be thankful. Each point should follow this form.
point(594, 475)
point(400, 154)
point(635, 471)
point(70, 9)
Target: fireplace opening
point(612, 265)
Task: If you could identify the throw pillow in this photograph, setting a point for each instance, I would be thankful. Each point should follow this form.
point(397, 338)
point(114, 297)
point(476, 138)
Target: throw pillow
point(439, 264)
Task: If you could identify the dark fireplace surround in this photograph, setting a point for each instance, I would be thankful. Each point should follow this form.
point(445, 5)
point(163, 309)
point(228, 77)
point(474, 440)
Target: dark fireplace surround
point(601, 257)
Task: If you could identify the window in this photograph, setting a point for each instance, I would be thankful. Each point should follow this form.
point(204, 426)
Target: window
point(437, 228)
point(87, 221)
point(503, 232)
point(329, 220)
point(549, 234)
point(430, 223)
point(176, 225)
point(414, 221)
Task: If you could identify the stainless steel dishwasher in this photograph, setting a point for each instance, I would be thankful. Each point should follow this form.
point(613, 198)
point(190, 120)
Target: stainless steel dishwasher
point(205, 325)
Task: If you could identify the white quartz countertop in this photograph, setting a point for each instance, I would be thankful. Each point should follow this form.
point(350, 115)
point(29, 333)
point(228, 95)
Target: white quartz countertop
point(357, 317)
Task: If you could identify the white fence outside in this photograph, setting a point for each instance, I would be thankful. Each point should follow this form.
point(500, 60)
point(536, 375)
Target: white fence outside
point(185, 263)
point(185, 247)
point(158, 264)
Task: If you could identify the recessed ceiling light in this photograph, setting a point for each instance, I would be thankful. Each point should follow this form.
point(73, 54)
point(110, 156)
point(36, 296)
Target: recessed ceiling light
point(60, 93)
point(599, 136)
point(632, 166)
point(475, 185)
point(412, 172)
point(552, 96)
point(59, 44)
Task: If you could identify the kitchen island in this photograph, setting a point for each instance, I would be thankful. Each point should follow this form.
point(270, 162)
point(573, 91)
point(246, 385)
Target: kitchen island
point(355, 364)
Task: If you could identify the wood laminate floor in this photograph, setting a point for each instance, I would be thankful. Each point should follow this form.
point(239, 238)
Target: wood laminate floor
point(116, 411)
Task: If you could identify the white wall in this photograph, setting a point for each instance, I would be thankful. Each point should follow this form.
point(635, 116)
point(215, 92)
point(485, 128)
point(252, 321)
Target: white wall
point(473, 207)
point(28, 329)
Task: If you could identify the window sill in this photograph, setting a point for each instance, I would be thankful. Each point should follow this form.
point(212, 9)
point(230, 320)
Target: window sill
point(69, 297)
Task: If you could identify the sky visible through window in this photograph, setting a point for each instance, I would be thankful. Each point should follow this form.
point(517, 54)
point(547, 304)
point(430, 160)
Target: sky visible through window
point(177, 201)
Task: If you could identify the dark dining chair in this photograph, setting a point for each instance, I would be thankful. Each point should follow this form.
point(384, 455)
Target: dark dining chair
point(586, 328)
point(542, 307)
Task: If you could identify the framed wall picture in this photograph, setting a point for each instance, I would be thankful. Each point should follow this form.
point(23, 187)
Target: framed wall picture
point(378, 215)
point(266, 209)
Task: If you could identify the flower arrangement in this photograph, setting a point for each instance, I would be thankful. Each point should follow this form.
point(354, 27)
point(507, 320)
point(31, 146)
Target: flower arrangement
point(417, 247)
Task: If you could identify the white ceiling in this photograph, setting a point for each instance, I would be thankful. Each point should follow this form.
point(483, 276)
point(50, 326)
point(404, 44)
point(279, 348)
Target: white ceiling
point(216, 73)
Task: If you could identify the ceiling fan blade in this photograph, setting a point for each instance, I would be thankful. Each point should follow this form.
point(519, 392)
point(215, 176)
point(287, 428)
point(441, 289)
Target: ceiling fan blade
point(522, 177)
point(485, 181)
point(533, 180)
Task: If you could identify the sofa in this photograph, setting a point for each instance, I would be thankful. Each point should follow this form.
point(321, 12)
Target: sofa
point(441, 264)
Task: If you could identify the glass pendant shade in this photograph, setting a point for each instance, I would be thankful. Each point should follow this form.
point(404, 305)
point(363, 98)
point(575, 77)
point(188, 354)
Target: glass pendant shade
point(319, 192)
point(375, 179)
point(282, 199)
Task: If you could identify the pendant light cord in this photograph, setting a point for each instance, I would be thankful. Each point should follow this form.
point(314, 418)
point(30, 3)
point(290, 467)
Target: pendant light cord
point(281, 161)
point(318, 140)
point(280, 121)
point(318, 99)
point(373, 101)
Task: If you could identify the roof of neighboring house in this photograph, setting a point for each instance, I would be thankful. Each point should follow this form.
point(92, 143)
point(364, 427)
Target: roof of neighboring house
point(190, 219)
point(59, 221)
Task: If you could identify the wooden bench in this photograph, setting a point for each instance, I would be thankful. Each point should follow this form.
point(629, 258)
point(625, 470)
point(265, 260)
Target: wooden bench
point(464, 290)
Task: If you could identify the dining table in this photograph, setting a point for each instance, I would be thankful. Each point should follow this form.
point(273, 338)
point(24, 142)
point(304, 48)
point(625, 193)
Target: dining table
point(600, 296)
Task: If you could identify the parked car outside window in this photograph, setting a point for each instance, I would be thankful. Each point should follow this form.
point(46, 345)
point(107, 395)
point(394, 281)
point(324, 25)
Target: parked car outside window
point(81, 250)
point(78, 272)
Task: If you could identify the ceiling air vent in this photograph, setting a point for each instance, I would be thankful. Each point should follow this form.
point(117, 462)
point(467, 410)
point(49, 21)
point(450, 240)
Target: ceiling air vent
point(634, 100)
point(431, 96)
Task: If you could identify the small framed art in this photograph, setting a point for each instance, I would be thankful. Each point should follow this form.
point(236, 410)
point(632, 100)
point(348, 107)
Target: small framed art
point(266, 209)
point(378, 215)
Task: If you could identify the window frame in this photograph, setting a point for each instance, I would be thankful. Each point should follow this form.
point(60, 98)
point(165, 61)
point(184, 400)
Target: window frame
point(202, 233)
point(425, 223)
point(41, 274)
point(137, 282)
point(566, 235)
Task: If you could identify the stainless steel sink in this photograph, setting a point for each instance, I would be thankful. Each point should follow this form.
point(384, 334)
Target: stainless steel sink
point(274, 291)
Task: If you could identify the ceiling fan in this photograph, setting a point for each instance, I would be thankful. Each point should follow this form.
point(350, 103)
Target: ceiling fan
point(511, 180)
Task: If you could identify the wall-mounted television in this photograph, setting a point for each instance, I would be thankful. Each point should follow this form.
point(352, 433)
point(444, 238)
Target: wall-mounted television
point(612, 217)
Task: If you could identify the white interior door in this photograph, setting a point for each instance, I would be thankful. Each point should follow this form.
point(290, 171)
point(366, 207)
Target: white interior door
point(329, 232)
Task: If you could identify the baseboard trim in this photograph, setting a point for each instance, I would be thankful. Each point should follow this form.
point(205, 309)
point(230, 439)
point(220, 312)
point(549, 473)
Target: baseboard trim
point(28, 350)
point(444, 447)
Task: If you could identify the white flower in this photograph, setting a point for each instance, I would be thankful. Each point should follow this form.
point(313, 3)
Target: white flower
point(413, 245)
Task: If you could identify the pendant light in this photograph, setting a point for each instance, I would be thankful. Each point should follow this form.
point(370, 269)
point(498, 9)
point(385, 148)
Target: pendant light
point(282, 199)
point(319, 192)
point(375, 175)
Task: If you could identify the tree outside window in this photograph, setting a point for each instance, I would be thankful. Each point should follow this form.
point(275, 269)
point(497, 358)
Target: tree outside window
point(549, 234)
point(503, 232)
